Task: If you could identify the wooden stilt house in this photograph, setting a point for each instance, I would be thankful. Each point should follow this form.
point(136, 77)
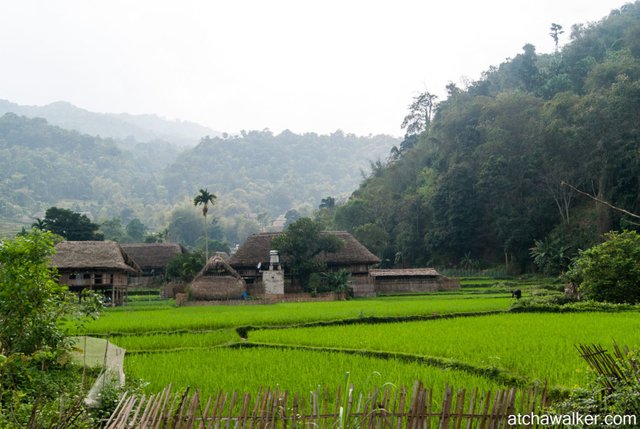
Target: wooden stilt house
point(101, 266)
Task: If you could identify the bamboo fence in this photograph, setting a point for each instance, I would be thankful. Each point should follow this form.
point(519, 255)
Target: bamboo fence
point(385, 408)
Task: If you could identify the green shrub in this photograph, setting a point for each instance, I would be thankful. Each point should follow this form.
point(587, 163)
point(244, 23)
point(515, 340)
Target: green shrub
point(614, 389)
point(609, 271)
point(37, 387)
point(562, 304)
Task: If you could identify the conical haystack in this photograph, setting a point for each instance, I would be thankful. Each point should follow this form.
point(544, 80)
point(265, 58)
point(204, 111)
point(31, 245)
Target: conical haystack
point(216, 281)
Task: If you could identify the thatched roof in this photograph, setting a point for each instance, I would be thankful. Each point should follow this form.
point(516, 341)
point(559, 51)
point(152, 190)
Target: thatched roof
point(256, 250)
point(217, 280)
point(153, 255)
point(406, 272)
point(92, 255)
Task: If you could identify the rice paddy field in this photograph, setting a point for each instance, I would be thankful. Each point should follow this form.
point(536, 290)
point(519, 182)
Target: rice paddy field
point(157, 318)
point(534, 346)
point(248, 369)
point(300, 346)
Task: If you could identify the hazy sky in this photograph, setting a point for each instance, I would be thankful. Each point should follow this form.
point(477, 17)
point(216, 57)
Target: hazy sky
point(304, 65)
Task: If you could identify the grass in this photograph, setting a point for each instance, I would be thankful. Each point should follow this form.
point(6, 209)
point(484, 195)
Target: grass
point(534, 346)
point(167, 319)
point(248, 369)
point(135, 343)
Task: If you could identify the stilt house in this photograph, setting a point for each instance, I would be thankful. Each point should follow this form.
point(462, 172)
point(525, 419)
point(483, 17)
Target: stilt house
point(102, 266)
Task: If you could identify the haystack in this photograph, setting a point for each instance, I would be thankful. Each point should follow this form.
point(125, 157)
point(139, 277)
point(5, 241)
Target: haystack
point(216, 281)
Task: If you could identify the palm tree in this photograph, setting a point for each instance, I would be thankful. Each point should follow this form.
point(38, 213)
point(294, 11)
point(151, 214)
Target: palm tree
point(40, 224)
point(203, 199)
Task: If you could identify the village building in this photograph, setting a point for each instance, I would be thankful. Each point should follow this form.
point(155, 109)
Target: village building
point(101, 266)
point(152, 258)
point(410, 280)
point(253, 258)
point(217, 281)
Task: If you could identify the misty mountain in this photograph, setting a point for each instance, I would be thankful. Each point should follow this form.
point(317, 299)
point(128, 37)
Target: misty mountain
point(123, 126)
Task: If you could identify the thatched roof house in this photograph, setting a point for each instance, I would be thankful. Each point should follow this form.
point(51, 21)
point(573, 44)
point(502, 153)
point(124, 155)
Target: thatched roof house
point(256, 250)
point(153, 257)
point(217, 280)
point(253, 256)
point(93, 256)
point(411, 280)
point(97, 265)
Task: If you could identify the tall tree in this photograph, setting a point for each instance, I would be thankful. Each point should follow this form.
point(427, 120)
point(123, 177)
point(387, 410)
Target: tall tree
point(420, 113)
point(327, 203)
point(204, 198)
point(555, 32)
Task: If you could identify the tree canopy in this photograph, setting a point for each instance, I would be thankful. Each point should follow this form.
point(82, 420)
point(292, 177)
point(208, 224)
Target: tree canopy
point(301, 243)
point(71, 225)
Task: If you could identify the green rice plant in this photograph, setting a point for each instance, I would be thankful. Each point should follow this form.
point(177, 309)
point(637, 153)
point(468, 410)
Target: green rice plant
point(249, 369)
point(186, 340)
point(533, 346)
point(167, 319)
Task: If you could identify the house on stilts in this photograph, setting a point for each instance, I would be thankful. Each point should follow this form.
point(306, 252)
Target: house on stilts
point(101, 266)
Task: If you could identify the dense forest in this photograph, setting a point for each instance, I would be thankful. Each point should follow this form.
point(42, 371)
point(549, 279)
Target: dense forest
point(256, 176)
point(477, 180)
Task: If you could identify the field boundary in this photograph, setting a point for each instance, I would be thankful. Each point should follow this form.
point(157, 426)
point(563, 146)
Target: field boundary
point(389, 407)
point(243, 331)
point(231, 345)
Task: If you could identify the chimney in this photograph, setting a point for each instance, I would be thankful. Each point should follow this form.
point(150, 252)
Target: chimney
point(274, 260)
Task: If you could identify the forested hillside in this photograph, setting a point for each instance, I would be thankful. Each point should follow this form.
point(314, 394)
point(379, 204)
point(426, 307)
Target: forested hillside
point(477, 179)
point(42, 165)
point(274, 173)
point(256, 176)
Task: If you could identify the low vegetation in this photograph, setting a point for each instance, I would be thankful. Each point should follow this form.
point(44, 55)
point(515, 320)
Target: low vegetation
point(609, 271)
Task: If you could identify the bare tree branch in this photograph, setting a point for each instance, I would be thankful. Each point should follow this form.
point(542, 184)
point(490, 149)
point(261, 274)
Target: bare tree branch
point(598, 200)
